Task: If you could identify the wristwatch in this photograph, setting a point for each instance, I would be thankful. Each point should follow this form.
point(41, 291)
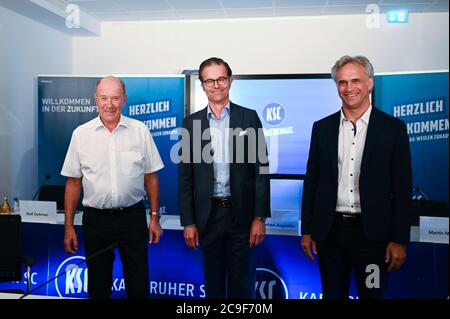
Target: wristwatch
point(263, 219)
point(157, 214)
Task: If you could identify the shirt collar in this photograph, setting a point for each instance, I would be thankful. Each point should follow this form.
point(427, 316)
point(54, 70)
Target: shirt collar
point(98, 122)
point(210, 114)
point(364, 118)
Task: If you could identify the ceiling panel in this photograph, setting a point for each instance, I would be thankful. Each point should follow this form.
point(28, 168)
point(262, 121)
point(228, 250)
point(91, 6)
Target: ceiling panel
point(346, 9)
point(298, 11)
point(418, 7)
point(407, 1)
point(142, 5)
point(90, 6)
point(440, 7)
point(299, 3)
point(195, 4)
point(130, 10)
point(333, 3)
point(247, 4)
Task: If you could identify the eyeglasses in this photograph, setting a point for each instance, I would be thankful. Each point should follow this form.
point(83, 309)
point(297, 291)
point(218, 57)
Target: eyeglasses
point(220, 81)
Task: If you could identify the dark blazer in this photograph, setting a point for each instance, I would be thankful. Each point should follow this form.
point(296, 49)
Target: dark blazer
point(250, 190)
point(385, 179)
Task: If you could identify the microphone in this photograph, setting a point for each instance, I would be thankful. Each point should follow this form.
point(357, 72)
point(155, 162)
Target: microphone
point(47, 177)
point(101, 251)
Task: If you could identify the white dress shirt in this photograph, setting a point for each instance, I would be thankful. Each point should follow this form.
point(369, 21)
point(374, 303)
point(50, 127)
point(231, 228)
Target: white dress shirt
point(350, 152)
point(112, 164)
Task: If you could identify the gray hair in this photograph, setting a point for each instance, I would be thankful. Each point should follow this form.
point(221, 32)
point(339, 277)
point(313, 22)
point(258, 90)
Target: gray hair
point(346, 59)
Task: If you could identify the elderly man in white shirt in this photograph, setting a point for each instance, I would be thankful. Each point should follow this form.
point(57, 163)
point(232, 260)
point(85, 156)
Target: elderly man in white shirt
point(115, 159)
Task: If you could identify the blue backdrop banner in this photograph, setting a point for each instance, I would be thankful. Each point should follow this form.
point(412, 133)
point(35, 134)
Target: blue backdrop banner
point(421, 101)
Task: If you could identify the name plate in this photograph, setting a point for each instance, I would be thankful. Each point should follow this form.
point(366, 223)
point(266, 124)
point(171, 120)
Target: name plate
point(38, 211)
point(434, 229)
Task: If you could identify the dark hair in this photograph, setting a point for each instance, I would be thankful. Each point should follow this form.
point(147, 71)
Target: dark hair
point(346, 59)
point(210, 61)
point(121, 83)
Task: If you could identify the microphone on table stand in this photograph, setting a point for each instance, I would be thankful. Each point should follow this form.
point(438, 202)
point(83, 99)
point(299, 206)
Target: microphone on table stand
point(47, 177)
point(101, 251)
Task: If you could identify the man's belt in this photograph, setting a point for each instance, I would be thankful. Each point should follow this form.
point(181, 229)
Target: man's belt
point(222, 201)
point(117, 210)
point(348, 216)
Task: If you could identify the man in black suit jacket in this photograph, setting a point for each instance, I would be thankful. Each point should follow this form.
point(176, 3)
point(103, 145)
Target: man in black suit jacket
point(224, 186)
point(357, 192)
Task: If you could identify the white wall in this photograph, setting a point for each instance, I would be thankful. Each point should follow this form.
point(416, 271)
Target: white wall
point(27, 49)
point(271, 45)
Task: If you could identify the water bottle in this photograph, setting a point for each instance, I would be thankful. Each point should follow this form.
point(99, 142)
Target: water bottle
point(16, 206)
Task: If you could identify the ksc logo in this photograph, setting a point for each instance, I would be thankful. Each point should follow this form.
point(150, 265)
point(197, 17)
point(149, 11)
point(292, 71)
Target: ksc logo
point(74, 282)
point(269, 285)
point(274, 114)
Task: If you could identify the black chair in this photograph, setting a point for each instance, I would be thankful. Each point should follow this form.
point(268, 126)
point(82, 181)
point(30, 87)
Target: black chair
point(53, 193)
point(422, 207)
point(11, 259)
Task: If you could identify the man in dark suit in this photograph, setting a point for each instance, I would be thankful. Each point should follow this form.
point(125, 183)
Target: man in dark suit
point(224, 186)
point(357, 193)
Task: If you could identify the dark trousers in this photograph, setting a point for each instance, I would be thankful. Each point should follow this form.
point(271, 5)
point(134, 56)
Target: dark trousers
point(229, 266)
point(129, 230)
point(347, 249)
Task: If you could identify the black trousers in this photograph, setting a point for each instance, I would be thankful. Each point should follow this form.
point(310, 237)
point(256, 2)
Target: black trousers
point(229, 266)
point(129, 230)
point(347, 249)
